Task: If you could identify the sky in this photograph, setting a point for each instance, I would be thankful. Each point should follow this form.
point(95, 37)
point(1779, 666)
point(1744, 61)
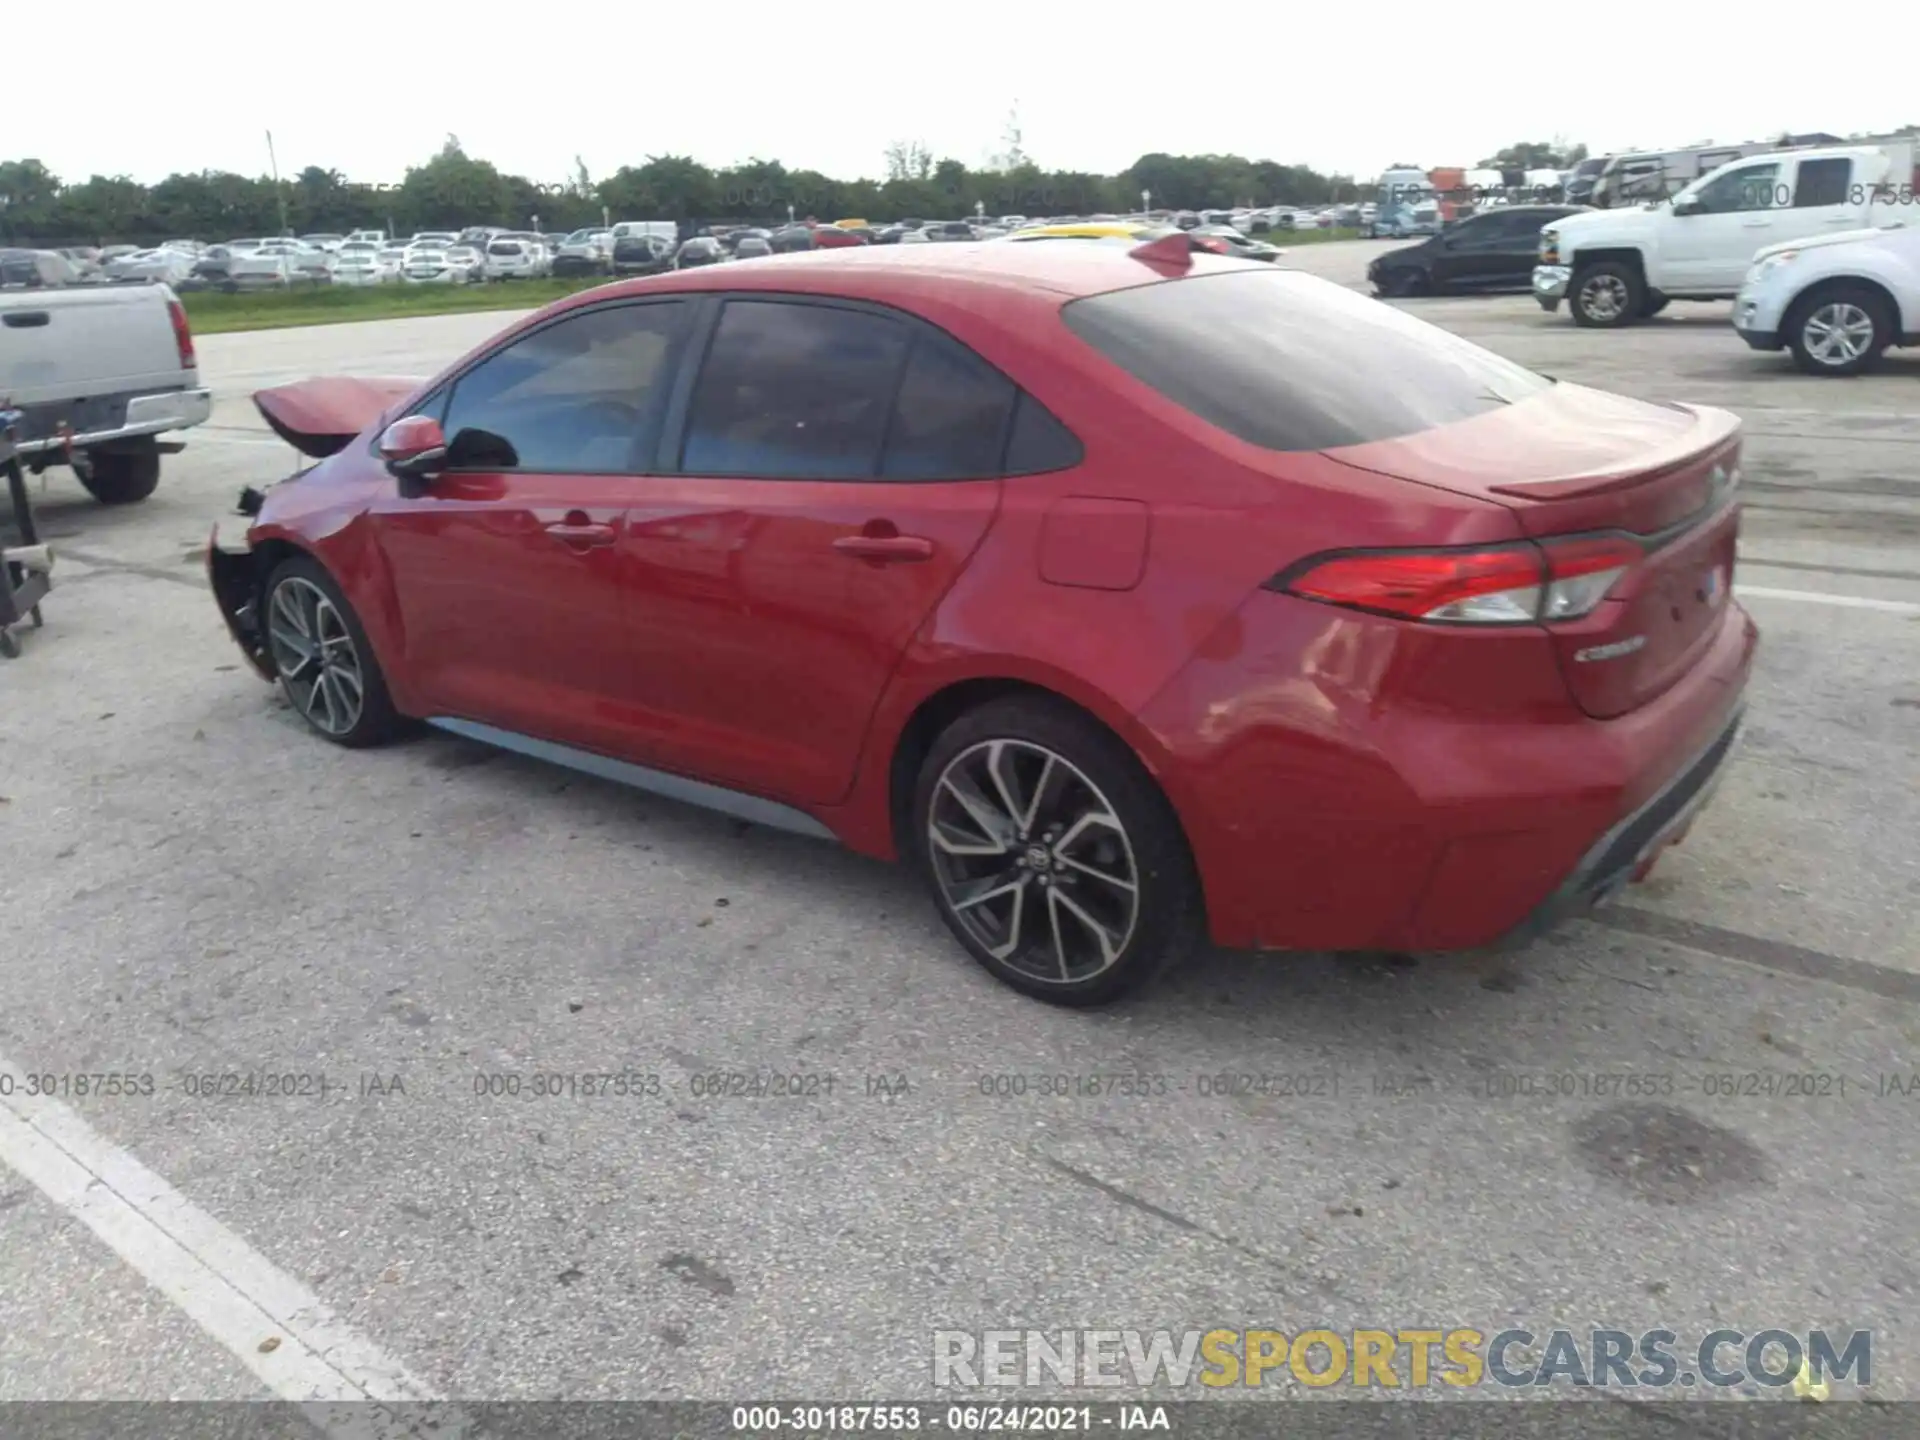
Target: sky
point(827, 86)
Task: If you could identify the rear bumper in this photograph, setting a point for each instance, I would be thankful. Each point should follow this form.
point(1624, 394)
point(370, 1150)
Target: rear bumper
point(1327, 814)
point(1627, 852)
point(144, 415)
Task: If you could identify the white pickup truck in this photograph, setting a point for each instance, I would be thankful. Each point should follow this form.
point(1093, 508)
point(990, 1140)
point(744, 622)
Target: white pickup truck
point(1614, 267)
point(98, 374)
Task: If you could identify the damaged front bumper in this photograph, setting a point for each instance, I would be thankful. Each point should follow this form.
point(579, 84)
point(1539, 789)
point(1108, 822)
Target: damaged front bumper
point(233, 571)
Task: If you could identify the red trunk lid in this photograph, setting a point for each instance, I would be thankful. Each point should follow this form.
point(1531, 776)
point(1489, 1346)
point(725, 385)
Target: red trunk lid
point(320, 417)
point(1574, 461)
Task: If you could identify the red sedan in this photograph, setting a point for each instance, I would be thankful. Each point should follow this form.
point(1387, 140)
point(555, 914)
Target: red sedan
point(1131, 596)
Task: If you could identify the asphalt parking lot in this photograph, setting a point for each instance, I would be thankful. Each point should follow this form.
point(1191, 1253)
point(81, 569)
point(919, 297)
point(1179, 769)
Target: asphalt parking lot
point(193, 886)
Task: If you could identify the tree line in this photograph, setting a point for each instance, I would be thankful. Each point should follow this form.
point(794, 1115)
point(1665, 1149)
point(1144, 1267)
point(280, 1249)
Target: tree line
point(454, 189)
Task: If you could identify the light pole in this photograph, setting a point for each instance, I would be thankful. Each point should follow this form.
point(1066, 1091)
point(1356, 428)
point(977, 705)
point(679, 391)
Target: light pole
point(789, 212)
point(1146, 202)
point(279, 195)
point(979, 209)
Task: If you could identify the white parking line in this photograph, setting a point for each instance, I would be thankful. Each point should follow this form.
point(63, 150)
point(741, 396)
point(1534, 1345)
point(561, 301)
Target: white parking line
point(231, 1291)
point(1820, 597)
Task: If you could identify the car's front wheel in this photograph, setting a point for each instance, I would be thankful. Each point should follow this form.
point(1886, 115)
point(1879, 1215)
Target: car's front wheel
point(326, 667)
point(1842, 330)
point(1606, 296)
point(1051, 853)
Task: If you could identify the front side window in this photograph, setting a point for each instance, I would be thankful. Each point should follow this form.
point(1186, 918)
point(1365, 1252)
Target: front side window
point(795, 391)
point(1291, 362)
point(582, 395)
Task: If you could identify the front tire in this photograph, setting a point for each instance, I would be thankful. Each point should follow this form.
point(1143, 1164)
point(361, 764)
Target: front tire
point(121, 477)
point(326, 668)
point(1839, 331)
point(1606, 296)
point(1052, 855)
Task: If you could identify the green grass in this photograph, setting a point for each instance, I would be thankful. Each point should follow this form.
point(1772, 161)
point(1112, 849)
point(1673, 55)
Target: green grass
point(214, 313)
point(1284, 238)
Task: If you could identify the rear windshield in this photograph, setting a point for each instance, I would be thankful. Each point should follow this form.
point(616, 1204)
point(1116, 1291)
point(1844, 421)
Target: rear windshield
point(1292, 362)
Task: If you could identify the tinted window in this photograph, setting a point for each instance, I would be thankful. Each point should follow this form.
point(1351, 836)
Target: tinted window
point(1291, 362)
point(1521, 228)
point(1822, 182)
point(950, 417)
point(795, 391)
point(1039, 442)
point(578, 395)
point(1751, 187)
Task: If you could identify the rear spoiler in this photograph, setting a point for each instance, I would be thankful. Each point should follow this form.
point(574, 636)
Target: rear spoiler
point(320, 417)
point(1711, 430)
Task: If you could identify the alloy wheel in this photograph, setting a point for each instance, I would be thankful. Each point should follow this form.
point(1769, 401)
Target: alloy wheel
point(1604, 297)
point(315, 656)
point(1033, 861)
point(1838, 333)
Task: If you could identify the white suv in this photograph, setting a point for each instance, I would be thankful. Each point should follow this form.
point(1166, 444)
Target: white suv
point(1837, 301)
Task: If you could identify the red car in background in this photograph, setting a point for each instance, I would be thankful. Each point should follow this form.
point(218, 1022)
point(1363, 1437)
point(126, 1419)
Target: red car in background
point(1130, 596)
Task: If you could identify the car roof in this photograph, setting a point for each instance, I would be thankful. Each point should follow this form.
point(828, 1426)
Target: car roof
point(1011, 281)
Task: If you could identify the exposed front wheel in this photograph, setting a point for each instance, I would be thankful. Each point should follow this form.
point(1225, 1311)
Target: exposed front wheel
point(1606, 295)
point(1841, 331)
point(325, 665)
point(121, 477)
point(1052, 855)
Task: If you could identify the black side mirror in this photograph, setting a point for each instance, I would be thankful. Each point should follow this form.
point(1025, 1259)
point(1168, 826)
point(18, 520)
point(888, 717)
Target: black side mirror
point(475, 449)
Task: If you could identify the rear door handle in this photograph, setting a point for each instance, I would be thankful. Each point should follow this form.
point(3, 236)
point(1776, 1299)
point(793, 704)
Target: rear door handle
point(885, 547)
point(582, 533)
point(26, 319)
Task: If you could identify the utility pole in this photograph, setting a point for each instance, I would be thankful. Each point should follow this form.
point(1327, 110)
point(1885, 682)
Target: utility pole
point(279, 195)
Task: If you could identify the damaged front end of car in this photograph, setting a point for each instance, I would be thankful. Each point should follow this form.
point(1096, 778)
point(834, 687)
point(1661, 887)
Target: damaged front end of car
point(318, 418)
point(238, 578)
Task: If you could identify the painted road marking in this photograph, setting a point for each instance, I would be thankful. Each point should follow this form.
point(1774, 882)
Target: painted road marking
point(227, 1288)
point(1820, 597)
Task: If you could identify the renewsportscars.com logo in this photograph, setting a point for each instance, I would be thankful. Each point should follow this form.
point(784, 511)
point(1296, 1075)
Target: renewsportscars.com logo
point(1399, 1359)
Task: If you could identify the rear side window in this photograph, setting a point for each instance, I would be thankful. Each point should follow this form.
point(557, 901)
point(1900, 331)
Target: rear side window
point(1822, 182)
point(1039, 442)
point(1291, 362)
point(792, 391)
point(950, 418)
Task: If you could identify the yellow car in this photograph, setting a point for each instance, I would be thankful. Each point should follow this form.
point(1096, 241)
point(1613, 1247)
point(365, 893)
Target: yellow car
point(1091, 231)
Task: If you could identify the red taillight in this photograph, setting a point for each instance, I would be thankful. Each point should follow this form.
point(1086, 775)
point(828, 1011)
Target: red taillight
point(182, 333)
point(1500, 585)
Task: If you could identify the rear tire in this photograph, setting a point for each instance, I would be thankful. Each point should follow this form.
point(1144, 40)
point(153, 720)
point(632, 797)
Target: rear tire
point(121, 477)
point(1840, 330)
point(1606, 296)
point(1051, 854)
